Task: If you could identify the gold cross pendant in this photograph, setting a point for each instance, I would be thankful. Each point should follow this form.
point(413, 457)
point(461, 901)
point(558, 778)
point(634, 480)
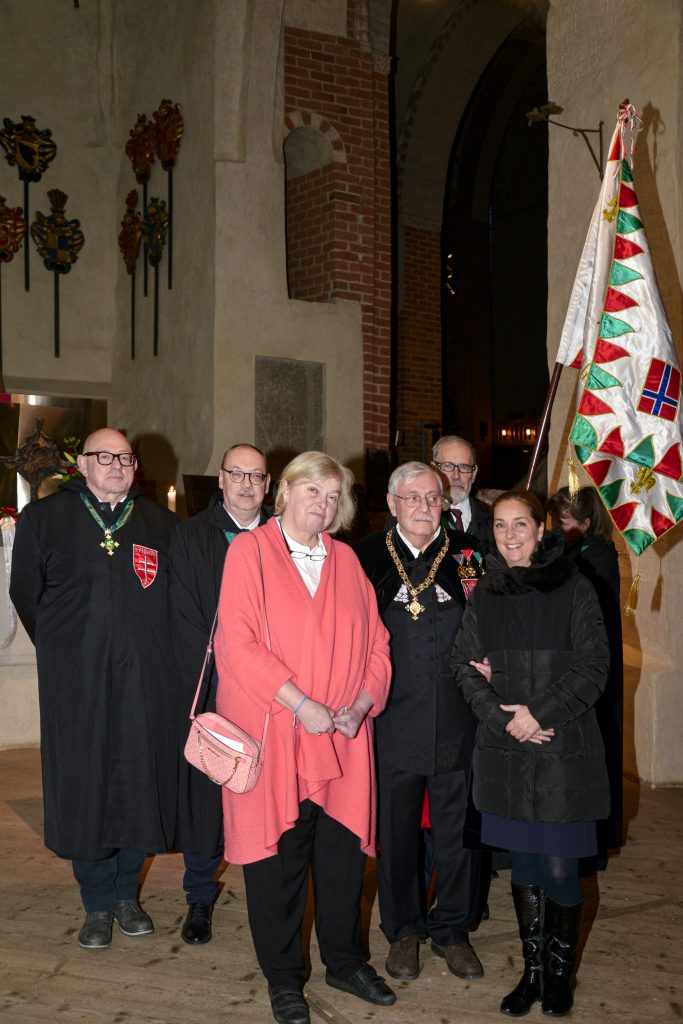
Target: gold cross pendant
point(414, 608)
point(109, 544)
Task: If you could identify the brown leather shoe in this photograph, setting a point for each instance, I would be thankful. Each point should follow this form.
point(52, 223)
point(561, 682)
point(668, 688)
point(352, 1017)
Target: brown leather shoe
point(403, 961)
point(461, 960)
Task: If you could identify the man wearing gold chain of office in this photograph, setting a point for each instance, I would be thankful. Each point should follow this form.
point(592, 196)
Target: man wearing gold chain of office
point(423, 575)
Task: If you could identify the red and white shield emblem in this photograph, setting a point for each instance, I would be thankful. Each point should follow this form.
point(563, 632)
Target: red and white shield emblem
point(145, 563)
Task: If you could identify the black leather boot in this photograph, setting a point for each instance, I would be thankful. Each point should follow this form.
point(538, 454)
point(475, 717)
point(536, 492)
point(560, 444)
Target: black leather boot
point(529, 903)
point(562, 928)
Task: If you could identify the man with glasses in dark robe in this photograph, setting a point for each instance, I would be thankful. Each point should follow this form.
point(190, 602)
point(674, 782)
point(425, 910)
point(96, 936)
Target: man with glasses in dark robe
point(423, 574)
point(456, 460)
point(197, 556)
point(89, 582)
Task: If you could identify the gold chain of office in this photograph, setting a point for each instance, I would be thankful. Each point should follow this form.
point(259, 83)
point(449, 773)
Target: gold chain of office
point(415, 608)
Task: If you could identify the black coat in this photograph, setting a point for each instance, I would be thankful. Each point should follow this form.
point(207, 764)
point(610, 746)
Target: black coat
point(426, 727)
point(197, 557)
point(542, 630)
point(479, 525)
point(105, 673)
point(597, 560)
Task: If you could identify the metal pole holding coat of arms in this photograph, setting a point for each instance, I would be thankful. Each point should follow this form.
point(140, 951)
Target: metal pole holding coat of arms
point(130, 238)
point(12, 231)
point(59, 241)
point(31, 150)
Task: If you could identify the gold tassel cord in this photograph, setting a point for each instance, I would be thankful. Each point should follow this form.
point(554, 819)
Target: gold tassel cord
point(632, 600)
point(573, 475)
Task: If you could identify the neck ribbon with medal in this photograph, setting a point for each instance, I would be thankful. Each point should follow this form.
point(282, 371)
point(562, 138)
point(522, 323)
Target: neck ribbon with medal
point(469, 569)
point(109, 544)
point(415, 608)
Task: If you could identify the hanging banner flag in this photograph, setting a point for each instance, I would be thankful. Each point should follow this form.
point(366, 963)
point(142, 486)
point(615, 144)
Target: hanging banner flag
point(628, 429)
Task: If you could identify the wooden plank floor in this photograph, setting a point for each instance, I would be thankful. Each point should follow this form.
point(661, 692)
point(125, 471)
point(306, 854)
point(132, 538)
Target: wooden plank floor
point(632, 960)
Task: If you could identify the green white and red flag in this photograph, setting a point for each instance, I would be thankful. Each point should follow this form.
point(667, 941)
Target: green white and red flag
point(628, 429)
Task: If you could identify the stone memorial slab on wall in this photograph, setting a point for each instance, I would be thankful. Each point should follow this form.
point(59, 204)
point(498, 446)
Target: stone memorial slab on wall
point(289, 408)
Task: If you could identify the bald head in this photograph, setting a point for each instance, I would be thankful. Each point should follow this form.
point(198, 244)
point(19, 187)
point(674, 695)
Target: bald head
point(108, 483)
point(106, 438)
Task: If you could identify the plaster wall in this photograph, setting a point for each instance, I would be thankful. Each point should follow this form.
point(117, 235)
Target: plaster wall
point(56, 67)
point(599, 52)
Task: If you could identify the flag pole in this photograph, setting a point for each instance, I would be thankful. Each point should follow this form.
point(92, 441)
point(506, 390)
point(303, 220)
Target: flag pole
point(542, 432)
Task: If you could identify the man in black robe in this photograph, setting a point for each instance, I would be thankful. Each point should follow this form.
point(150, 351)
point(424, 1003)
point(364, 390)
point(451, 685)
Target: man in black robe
point(422, 574)
point(89, 582)
point(197, 556)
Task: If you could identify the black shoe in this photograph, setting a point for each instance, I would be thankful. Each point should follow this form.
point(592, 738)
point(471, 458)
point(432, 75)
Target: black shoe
point(366, 984)
point(96, 930)
point(288, 1005)
point(131, 918)
point(197, 927)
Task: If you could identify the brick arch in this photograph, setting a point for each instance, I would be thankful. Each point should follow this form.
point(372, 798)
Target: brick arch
point(309, 119)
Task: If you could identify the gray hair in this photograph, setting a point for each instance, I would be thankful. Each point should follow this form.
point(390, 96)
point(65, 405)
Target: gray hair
point(408, 471)
point(451, 439)
point(319, 466)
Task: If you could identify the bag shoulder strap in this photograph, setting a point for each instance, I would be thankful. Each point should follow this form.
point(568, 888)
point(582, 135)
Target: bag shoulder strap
point(208, 654)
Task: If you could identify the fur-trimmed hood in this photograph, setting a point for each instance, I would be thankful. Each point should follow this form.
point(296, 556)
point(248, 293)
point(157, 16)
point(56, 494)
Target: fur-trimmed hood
point(549, 569)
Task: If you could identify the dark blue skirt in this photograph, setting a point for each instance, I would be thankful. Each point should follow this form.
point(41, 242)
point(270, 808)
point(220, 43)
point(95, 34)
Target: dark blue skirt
point(551, 838)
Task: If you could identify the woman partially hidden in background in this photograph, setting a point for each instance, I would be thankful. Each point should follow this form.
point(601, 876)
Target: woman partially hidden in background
point(587, 530)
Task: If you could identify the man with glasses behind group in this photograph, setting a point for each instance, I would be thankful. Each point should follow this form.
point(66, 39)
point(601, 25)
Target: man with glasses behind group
point(423, 574)
point(89, 582)
point(197, 557)
point(456, 460)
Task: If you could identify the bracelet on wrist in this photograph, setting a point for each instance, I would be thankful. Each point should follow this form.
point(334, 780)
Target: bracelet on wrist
point(300, 704)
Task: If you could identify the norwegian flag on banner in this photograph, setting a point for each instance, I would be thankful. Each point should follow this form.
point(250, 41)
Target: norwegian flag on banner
point(628, 429)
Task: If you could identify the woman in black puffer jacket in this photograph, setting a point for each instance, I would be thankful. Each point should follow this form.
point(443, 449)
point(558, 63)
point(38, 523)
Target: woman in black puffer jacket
point(532, 659)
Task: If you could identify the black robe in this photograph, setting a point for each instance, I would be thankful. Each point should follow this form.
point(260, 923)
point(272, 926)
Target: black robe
point(426, 727)
point(197, 557)
point(105, 674)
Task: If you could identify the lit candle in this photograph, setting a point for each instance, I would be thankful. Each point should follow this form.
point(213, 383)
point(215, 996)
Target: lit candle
point(170, 498)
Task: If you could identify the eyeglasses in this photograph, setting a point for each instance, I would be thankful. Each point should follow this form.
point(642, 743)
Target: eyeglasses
point(237, 476)
point(463, 467)
point(412, 500)
point(126, 459)
point(298, 556)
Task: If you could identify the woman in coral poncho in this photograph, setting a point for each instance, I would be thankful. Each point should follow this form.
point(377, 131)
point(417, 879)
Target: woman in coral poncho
point(299, 638)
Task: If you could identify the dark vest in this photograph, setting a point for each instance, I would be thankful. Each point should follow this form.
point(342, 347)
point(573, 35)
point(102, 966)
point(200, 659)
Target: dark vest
point(426, 727)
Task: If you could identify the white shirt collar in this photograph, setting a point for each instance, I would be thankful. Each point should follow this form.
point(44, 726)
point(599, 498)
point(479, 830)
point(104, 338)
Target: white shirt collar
point(416, 551)
point(251, 526)
point(294, 545)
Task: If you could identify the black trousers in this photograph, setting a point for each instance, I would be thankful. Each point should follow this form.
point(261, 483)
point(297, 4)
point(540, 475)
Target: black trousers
point(198, 880)
point(276, 890)
point(104, 882)
point(399, 873)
